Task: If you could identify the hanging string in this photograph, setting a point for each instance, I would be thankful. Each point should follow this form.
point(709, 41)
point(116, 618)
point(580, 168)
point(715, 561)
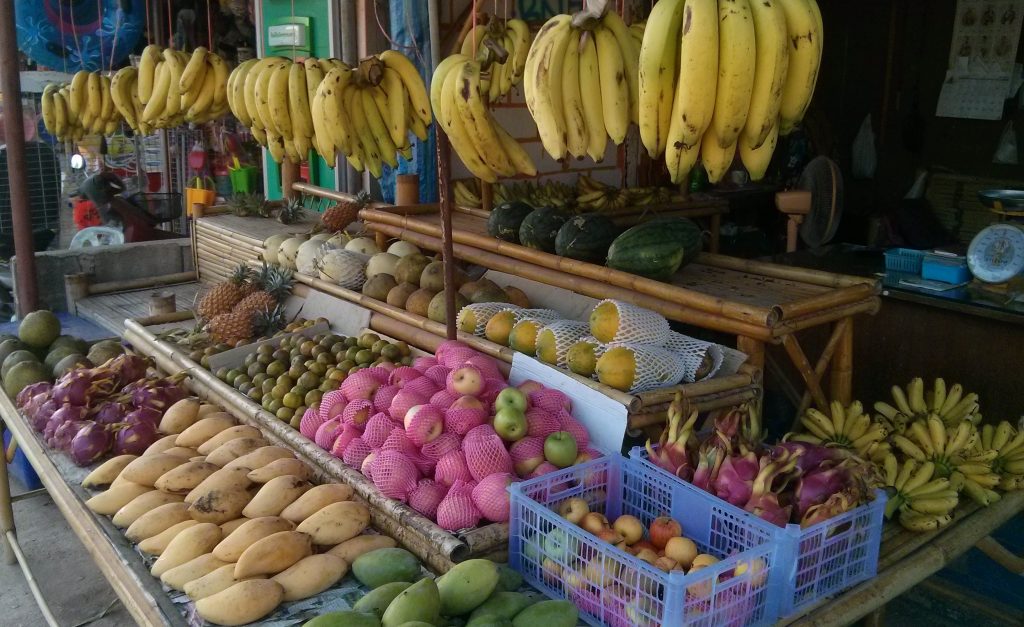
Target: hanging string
point(294, 53)
point(149, 25)
point(63, 44)
point(170, 25)
point(394, 44)
point(99, 31)
point(74, 33)
point(209, 25)
point(117, 30)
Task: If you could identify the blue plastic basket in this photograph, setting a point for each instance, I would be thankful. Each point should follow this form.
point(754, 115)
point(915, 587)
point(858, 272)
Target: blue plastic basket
point(823, 559)
point(904, 260)
point(610, 586)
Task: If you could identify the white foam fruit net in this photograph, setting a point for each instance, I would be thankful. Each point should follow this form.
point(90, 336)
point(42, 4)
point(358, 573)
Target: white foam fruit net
point(562, 334)
point(482, 312)
point(703, 359)
point(599, 349)
point(656, 367)
point(637, 325)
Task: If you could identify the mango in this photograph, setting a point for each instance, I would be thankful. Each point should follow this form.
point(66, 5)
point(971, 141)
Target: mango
point(191, 570)
point(117, 496)
point(213, 582)
point(186, 546)
point(335, 523)
point(161, 445)
point(275, 495)
point(155, 545)
point(141, 505)
point(231, 433)
point(548, 614)
point(105, 473)
point(350, 550)
point(204, 429)
point(418, 602)
point(242, 603)
point(233, 449)
point(314, 500)
point(180, 416)
point(260, 458)
point(467, 585)
point(348, 618)
point(156, 521)
point(247, 534)
point(508, 579)
point(311, 576)
point(378, 599)
point(281, 467)
point(273, 554)
point(148, 468)
point(502, 604)
point(219, 506)
point(223, 479)
point(382, 566)
point(185, 478)
point(489, 620)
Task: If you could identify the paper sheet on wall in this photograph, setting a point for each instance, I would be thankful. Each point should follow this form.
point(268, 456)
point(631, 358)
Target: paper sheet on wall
point(604, 418)
point(982, 73)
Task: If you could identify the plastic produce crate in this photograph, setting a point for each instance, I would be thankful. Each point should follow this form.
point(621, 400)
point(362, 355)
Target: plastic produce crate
point(823, 559)
point(610, 586)
point(20, 468)
point(904, 260)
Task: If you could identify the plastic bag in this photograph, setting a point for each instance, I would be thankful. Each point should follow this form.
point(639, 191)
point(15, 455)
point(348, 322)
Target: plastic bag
point(1006, 150)
point(865, 160)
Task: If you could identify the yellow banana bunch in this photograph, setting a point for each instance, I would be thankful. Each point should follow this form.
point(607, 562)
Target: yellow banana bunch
point(173, 87)
point(924, 501)
point(581, 81)
point(467, 193)
point(843, 427)
point(85, 106)
point(512, 37)
point(950, 405)
point(1008, 443)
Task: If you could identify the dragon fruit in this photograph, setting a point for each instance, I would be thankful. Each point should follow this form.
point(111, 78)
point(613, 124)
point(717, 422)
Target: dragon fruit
point(357, 412)
point(491, 496)
point(327, 432)
point(394, 474)
point(402, 375)
point(128, 368)
point(551, 401)
point(457, 511)
point(332, 405)
point(810, 456)
point(426, 496)
point(438, 375)
point(111, 412)
point(485, 452)
point(735, 480)
point(66, 432)
point(78, 387)
point(30, 391)
point(443, 399)
point(377, 429)
point(356, 452)
point(771, 481)
point(671, 453)
point(89, 444)
point(576, 428)
point(159, 394)
point(135, 438)
point(527, 454)
point(441, 446)
point(362, 385)
point(311, 421)
point(341, 442)
point(422, 386)
point(383, 397)
point(836, 504)
point(43, 414)
point(402, 402)
point(143, 414)
point(541, 423)
point(452, 467)
point(34, 404)
point(423, 363)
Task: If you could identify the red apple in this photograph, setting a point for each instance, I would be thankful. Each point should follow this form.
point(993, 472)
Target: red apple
point(663, 528)
point(573, 510)
point(530, 386)
point(467, 402)
point(629, 527)
point(682, 550)
point(608, 535)
point(647, 555)
point(644, 544)
point(594, 522)
point(665, 563)
point(466, 380)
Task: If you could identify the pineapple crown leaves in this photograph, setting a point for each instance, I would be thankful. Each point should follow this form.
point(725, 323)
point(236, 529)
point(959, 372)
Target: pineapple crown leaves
point(268, 321)
point(292, 211)
point(278, 282)
point(363, 198)
point(241, 275)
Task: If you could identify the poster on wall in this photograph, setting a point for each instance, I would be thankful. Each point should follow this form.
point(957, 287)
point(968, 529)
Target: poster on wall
point(982, 71)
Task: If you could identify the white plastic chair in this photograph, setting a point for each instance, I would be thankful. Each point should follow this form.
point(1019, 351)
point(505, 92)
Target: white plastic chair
point(97, 236)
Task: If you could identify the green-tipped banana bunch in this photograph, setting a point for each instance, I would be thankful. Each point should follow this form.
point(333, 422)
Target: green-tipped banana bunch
point(914, 402)
point(486, 149)
point(511, 37)
point(721, 77)
point(1008, 443)
point(82, 107)
point(924, 501)
point(172, 87)
point(581, 83)
point(467, 193)
point(594, 195)
point(844, 427)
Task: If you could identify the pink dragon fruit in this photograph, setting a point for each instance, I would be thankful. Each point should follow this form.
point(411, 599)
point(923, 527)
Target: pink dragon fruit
point(672, 452)
point(423, 363)
point(444, 444)
point(27, 392)
point(402, 402)
point(423, 386)
point(424, 423)
point(402, 375)
point(426, 496)
point(438, 375)
point(551, 401)
point(540, 423)
point(357, 412)
point(709, 460)
point(310, 422)
point(576, 428)
point(377, 429)
point(348, 433)
point(527, 454)
point(443, 399)
point(487, 365)
point(735, 480)
point(332, 405)
point(491, 496)
point(356, 452)
point(543, 469)
point(327, 432)
point(485, 452)
point(460, 420)
point(770, 482)
point(394, 474)
point(362, 385)
point(451, 468)
point(457, 511)
point(380, 373)
point(384, 396)
point(398, 440)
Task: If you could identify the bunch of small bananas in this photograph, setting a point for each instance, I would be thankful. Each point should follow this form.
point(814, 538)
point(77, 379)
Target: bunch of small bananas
point(173, 87)
point(505, 43)
point(924, 502)
point(467, 193)
point(846, 427)
point(581, 83)
point(543, 194)
point(1008, 444)
point(594, 195)
point(728, 77)
point(915, 402)
point(486, 149)
point(83, 106)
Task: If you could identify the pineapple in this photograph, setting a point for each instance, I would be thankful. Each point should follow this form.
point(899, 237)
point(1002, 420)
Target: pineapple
point(249, 205)
point(292, 211)
point(232, 327)
point(273, 284)
point(342, 214)
point(223, 297)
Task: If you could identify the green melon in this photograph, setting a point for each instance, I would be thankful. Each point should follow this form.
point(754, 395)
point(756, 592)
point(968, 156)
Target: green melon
point(586, 237)
point(39, 329)
point(540, 228)
point(505, 220)
point(656, 249)
point(16, 358)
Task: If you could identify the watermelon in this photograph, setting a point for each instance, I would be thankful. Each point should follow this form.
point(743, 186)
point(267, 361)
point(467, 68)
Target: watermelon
point(540, 228)
point(505, 220)
point(586, 237)
point(656, 249)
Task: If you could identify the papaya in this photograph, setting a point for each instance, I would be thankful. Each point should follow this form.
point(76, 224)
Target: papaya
point(377, 600)
point(467, 585)
point(419, 602)
point(376, 568)
point(549, 614)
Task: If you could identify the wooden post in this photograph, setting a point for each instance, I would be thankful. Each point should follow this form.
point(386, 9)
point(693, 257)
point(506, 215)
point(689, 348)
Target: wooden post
point(799, 358)
point(842, 366)
point(755, 355)
point(289, 175)
point(161, 303)
point(407, 189)
point(6, 511)
point(76, 287)
point(486, 196)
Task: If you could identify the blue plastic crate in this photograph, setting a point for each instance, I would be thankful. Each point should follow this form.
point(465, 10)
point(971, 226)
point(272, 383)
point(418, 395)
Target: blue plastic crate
point(610, 586)
point(20, 468)
point(904, 260)
point(824, 559)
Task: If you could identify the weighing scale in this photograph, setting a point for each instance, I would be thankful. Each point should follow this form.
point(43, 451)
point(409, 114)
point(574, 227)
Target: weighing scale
point(996, 254)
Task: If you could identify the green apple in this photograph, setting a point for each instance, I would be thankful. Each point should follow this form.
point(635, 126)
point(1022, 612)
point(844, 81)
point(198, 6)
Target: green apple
point(511, 397)
point(560, 449)
point(556, 544)
point(510, 424)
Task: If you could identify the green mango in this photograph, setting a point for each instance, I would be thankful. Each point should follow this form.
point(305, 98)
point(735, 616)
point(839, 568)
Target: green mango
point(489, 620)
point(376, 568)
point(418, 602)
point(378, 599)
point(416, 623)
point(348, 618)
point(502, 604)
point(508, 579)
point(467, 585)
point(548, 614)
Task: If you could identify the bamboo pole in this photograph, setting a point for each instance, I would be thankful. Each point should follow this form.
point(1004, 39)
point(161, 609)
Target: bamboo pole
point(142, 283)
point(176, 316)
point(822, 365)
point(869, 306)
point(220, 237)
point(233, 236)
point(760, 316)
point(790, 273)
point(841, 380)
point(799, 359)
point(700, 388)
point(673, 309)
point(829, 300)
point(707, 402)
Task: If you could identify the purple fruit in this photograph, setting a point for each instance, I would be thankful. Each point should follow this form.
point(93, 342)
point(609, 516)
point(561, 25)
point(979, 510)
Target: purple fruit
point(30, 391)
point(66, 433)
point(90, 444)
point(135, 438)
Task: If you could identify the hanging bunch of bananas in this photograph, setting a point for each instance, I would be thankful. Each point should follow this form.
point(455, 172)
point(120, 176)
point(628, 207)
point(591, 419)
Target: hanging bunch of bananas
point(593, 195)
point(486, 149)
point(636, 30)
point(924, 501)
point(738, 74)
point(1008, 444)
point(467, 193)
point(844, 427)
point(173, 87)
point(505, 44)
point(366, 113)
point(581, 83)
point(914, 402)
point(82, 107)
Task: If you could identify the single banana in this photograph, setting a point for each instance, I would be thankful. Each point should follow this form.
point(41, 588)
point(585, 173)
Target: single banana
point(821, 421)
point(249, 90)
point(151, 56)
point(521, 44)
point(918, 431)
point(412, 80)
point(572, 102)
point(277, 99)
point(838, 416)
point(542, 83)
point(275, 146)
point(194, 70)
point(772, 61)
point(298, 107)
point(875, 433)
point(314, 76)
point(473, 111)
point(658, 67)
point(238, 78)
point(204, 97)
point(394, 89)
point(920, 476)
point(914, 521)
point(952, 399)
point(857, 426)
point(47, 106)
point(335, 117)
point(521, 161)
point(967, 405)
point(936, 434)
point(158, 97)
point(221, 71)
point(615, 96)
point(438, 78)
point(901, 401)
point(890, 469)
point(939, 391)
point(175, 67)
point(264, 95)
point(590, 97)
point(94, 96)
point(737, 55)
point(908, 447)
point(804, 33)
point(906, 470)
point(961, 436)
point(716, 159)
point(630, 61)
point(929, 488)
point(381, 136)
point(977, 493)
point(413, 121)
point(934, 504)
point(915, 396)
point(371, 151)
point(454, 127)
point(698, 74)
point(107, 110)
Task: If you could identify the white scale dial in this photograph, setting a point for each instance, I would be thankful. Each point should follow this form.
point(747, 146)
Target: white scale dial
point(996, 254)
